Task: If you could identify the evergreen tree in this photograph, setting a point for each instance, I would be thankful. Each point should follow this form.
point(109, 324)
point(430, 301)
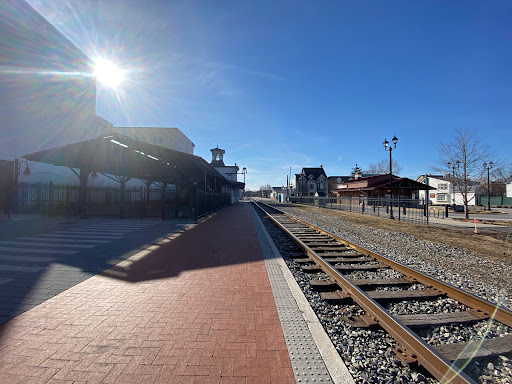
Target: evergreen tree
point(356, 171)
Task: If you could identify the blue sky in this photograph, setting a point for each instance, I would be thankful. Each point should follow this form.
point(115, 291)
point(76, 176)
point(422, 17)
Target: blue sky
point(292, 83)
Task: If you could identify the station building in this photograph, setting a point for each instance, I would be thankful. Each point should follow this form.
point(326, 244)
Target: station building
point(230, 172)
point(48, 109)
point(171, 138)
point(47, 91)
point(379, 186)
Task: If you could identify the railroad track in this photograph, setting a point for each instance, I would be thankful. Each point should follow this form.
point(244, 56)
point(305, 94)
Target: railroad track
point(338, 258)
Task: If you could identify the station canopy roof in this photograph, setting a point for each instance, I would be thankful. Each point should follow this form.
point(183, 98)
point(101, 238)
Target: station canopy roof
point(381, 182)
point(120, 155)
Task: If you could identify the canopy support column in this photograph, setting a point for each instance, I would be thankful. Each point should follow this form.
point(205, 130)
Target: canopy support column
point(164, 198)
point(82, 205)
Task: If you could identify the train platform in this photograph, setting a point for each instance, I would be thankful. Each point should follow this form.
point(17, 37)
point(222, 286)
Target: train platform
point(168, 302)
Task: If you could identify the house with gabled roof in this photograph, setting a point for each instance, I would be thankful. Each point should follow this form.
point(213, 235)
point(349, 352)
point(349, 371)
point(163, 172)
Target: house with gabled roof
point(446, 191)
point(311, 182)
point(508, 184)
point(334, 182)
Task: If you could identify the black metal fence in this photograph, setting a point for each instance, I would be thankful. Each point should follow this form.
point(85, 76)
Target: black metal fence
point(207, 202)
point(411, 210)
point(115, 201)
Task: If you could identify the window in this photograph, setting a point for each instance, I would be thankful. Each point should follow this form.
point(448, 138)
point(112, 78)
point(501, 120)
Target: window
point(441, 197)
point(155, 140)
point(311, 186)
point(320, 185)
point(442, 186)
point(160, 140)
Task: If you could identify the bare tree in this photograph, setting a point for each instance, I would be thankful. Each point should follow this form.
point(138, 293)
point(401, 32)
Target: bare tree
point(471, 154)
point(383, 167)
point(265, 190)
point(501, 171)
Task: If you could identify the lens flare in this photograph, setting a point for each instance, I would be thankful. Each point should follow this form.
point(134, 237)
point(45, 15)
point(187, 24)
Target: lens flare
point(107, 73)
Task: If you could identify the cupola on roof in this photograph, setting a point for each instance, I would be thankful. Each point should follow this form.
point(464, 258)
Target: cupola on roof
point(217, 157)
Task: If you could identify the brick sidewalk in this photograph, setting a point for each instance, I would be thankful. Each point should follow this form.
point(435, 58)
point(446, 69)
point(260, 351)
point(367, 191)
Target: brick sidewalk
point(197, 308)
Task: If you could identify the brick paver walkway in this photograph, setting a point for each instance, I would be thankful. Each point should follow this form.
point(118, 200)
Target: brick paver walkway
point(197, 308)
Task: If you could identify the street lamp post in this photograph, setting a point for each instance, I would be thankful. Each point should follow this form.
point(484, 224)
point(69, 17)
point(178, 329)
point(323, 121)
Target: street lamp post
point(389, 148)
point(17, 171)
point(453, 178)
point(488, 167)
point(244, 171)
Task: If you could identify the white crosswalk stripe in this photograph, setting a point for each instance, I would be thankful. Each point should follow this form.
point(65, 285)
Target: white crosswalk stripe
point(35, 250)
point(38, 249)
point(92, 234)
point(20, 268)
point(58, 238)
point(120, 226)
point(5, 280)
point(36, 259)
point(95, 230)
point(67, 235)
point(48, 245)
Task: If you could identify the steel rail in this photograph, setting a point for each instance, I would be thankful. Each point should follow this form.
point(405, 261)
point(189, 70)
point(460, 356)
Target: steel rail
point(498, 313)
point(414, 345)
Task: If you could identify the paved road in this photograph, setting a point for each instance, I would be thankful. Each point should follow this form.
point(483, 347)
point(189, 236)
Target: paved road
point(497, 214)
point(40, 258)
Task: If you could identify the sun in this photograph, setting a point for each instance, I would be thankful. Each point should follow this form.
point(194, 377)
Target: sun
point(107, 73)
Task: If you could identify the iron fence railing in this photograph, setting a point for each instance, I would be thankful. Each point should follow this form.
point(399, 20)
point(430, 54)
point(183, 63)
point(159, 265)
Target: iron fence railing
point(207, 202)
point(116, 201)
point(411, 210)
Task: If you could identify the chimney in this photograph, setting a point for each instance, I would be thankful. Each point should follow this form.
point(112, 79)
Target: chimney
point(321, 166)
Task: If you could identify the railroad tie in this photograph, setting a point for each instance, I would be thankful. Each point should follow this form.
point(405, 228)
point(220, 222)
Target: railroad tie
point(476, 348)
point(359, 267)
point(428, 319)
point(328, 283)
point(384, 295)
